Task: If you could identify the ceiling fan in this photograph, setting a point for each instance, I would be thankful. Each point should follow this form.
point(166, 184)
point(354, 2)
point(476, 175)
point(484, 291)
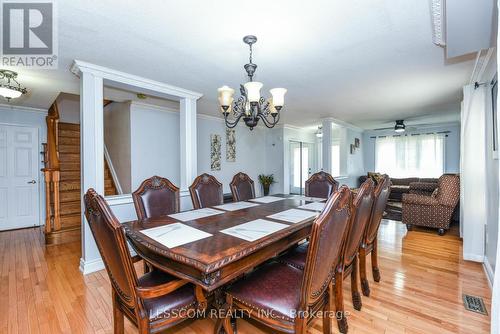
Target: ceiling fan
point(400, 127)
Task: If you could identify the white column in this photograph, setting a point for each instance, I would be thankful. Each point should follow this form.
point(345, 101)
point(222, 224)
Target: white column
point(189, 167)
point(327, 146)
point(91, 157)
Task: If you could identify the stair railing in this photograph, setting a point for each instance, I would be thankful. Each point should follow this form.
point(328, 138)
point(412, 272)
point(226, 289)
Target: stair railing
point(51, 172)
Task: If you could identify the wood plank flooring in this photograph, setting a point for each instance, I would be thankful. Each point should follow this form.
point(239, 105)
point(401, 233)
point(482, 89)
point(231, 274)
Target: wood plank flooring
point(423, 279)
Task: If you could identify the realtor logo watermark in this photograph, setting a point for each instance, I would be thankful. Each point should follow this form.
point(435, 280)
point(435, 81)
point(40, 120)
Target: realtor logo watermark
point(29, 34)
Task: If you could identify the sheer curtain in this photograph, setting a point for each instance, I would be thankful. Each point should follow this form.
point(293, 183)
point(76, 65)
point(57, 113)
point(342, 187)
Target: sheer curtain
point(411, 155)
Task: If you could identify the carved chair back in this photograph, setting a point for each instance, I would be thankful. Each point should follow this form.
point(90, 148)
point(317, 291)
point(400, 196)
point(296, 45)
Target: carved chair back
point(242, 187)
point(206, 191)
point(156, 197)
point(382, 192)
point(321, 184)
point(326, 246)
point(362, 208)
point(110, 239)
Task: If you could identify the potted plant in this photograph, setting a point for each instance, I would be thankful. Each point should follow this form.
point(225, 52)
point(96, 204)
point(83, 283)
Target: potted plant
point(266, 181)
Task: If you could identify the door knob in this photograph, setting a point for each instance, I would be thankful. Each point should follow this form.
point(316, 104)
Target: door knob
point(32, 182)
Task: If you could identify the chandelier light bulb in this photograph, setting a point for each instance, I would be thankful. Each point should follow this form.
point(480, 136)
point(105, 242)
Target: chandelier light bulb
point(278, 96)
point(253, 90)
point(9, 93)
point(225, 96)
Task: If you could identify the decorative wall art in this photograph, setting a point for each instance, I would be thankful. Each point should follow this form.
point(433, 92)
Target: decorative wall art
point(353, 148)
point(215, 152)
point(230, 145)
point(356, 142)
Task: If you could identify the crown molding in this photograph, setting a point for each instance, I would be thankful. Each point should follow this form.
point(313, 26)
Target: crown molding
point(22, 108)
point(78, 67)
point(342, 124)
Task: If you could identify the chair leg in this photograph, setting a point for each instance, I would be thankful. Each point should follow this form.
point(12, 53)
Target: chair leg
point(339, 303)
point(356, 297)
point(375, 269)
point(118, 319)
point(365, 287)
point(327, 320)
point(226, 322)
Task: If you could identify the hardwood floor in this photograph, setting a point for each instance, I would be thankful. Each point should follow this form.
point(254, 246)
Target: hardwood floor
point(423, 279)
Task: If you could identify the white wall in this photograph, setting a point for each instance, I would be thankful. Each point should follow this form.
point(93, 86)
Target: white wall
point(355, 162)
point(155, 143)
point(23, 116)
point(492, 167)
point(452, 145)
point(117, 140)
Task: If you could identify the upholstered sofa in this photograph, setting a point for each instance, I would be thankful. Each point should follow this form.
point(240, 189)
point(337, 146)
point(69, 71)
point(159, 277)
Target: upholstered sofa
point(434, 210)
point(402, 186)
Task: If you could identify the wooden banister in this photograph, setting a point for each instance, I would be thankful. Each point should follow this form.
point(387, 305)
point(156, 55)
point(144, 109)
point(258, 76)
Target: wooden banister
point(52, 171)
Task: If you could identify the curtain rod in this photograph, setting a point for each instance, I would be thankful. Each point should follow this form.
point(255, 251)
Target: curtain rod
point(414, 134)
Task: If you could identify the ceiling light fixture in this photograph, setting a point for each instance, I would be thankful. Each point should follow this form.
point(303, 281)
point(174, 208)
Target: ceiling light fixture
point(400, 126)
point(319, 133)
point(9, 87)
point(438, 22)
point(251, 106)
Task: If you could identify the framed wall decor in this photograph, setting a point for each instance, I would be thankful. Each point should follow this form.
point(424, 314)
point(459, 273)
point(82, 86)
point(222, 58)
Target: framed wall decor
point(356, 142)
point(215, 152)
point(230, 145)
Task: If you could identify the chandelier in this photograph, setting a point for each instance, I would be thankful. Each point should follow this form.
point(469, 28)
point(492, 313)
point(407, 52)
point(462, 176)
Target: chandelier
point(251, 106)
point(9, 87)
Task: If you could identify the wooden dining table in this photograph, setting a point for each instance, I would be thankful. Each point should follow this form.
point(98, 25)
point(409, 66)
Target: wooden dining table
point(212, 262)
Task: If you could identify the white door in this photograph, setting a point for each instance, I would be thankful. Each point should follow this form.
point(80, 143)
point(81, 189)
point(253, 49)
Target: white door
point(302, 165)
point(19, 174)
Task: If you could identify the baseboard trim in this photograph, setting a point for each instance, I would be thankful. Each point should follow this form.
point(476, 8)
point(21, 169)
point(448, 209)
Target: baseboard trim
point(473, 257)
point(489, 272)
point(88, 267)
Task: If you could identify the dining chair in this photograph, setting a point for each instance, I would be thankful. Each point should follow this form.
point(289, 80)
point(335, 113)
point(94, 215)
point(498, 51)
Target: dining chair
point(156, 197)
point(362, 207)
point(242, 187)
point(154, 301)
point(283, 297)
point(206, 191)
point(321, 184)
point(369, 244)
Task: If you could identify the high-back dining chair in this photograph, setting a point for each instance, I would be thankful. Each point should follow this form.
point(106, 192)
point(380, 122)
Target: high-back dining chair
point(369, 244)
point(153, 301)
point(290, 294)
point(321, 184)
point(362, 207)
point(156, 197)
point(242, 187)
point(206, 191)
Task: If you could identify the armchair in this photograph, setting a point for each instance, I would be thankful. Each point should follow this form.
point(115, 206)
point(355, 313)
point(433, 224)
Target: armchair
point(433, 211)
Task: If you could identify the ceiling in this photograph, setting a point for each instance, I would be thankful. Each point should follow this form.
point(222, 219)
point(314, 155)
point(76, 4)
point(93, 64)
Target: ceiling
point(363, 62)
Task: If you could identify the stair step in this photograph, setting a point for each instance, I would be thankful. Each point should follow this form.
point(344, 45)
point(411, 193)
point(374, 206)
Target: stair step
point(69, 166)
point(69, 185)
point(69, 149)
point(68, 208)
point(70, 175)
point(70, 220)
point(69, 196)
point(69, 157)
point(69, 141)
point(69, 126)
point(69, 133)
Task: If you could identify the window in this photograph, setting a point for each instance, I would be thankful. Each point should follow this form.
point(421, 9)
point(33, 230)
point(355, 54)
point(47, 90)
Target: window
point(411, 155)
point(335, 159)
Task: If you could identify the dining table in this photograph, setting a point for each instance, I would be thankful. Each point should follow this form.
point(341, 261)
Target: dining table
point(219, 258)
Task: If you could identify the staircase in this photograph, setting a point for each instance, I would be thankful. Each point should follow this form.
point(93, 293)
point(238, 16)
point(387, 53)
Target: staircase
point(68, 143)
